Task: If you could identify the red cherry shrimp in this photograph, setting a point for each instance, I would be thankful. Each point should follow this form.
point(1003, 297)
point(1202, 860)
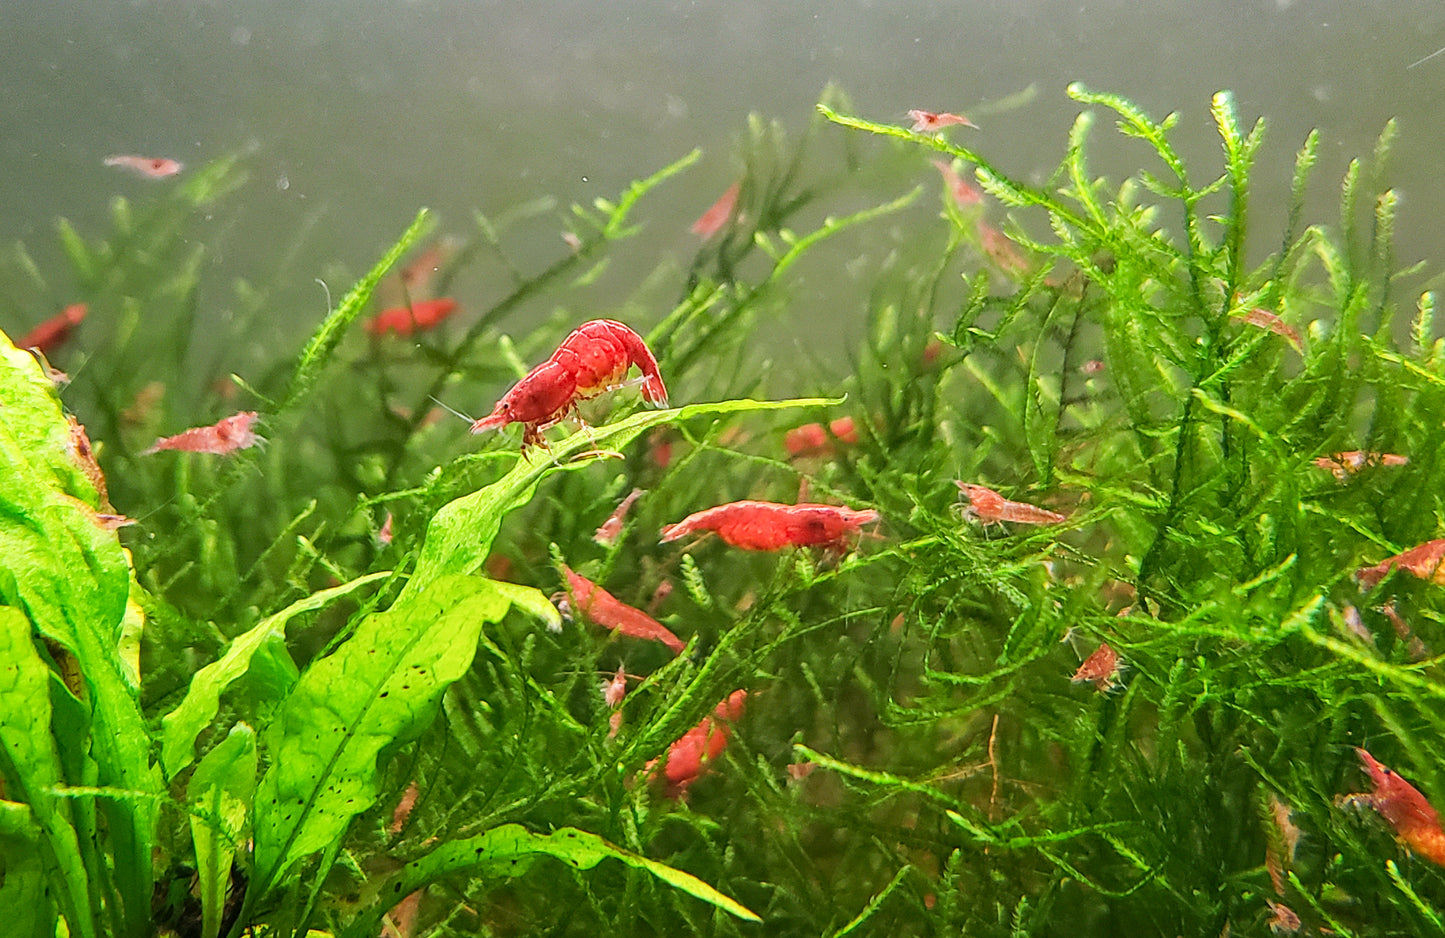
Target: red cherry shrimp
point(754, 525)
point(592, 359)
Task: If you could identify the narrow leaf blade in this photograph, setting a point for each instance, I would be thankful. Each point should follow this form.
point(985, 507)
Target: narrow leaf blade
point(501, 849)
point(220, 795)
point(198, 709)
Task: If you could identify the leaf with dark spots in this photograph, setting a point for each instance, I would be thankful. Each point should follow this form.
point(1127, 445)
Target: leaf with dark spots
point(346, 708)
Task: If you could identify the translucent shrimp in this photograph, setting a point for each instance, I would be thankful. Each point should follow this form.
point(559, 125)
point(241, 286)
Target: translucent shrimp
point(990, 507)
point(224, 436)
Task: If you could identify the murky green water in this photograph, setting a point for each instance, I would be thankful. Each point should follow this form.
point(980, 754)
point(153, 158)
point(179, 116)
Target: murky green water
point(359, 112)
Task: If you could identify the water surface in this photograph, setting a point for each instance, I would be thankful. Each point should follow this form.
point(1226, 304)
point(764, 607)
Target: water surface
point(357, 113)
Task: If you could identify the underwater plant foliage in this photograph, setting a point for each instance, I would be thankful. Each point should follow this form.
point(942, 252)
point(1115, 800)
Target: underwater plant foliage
point(1140, 586)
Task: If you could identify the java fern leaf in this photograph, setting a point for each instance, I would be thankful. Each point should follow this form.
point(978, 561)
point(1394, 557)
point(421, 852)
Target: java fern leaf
point(70, 578)
point(379, 688)
point(39, 851)
point(198, 709)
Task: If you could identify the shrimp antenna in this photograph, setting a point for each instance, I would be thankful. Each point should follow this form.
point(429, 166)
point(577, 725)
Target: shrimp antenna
point(162, 505)
point(452, 410)
point(1425, 59)
point(328, 293)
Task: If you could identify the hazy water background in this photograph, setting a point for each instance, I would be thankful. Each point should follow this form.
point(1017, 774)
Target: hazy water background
point(361, 111)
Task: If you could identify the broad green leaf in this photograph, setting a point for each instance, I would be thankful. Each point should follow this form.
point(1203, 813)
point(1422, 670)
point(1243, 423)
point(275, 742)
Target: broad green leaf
point(71, 578)
point(32, 414)
point(269, 678)
point(32, 771)
point(68, 574)
point(196, 712)
point(29, 912)
point(57, 553)
point(503, 851)
point(379, 688)
point(220, 794)
point(533, 602)
point(461, 533)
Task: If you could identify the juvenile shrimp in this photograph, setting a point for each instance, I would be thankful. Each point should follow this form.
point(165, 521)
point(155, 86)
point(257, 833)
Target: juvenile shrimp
point(591, 360)
point(1262, 318)
point(83, 455)
point(613, 691)
point(989, 507)
point(1343, 465)
point(151, 167)
point(812, 439)
point(403, 809)
point(1283, 920)
point(717, 215)
point(224, 436)
point(611, 529)
point(751, 525)
point(964, 193)
point(608, 611)
point(417, 275)
point(927, 121)
point(52, 333)
point(404, 320)
point(144, 404)
point(692, 754)
point(1289, 832)
point(1100, 669)
point(1413, 644)
point(1001, 249)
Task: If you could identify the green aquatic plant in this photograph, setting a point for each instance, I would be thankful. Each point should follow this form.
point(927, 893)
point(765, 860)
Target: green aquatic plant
point(1187, 451)
point(267, 720)
point(325, 724)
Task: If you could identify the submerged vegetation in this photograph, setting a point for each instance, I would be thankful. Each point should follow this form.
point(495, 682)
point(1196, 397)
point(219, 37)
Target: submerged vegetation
point(320, 685)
